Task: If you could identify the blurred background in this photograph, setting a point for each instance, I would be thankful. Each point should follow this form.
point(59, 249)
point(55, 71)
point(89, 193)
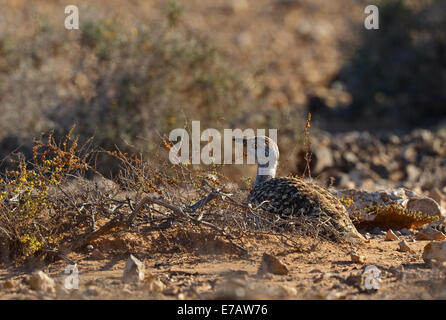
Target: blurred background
point(137, 69)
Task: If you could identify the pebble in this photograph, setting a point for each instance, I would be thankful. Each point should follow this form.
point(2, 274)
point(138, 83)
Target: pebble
point(134, 270)
point(356, 258)
point(391, 236)
point(404, 247)
point(270, 264)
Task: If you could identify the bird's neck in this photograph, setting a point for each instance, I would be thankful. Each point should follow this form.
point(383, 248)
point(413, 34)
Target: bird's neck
point(265, 172)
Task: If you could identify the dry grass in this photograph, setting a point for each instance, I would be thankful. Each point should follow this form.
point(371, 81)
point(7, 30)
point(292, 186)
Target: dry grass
point(48, 207)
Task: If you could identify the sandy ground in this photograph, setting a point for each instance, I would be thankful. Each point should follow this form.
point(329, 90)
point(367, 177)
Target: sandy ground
point(322, 271)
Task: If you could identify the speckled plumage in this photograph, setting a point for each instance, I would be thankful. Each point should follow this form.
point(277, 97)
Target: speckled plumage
point(295, 197)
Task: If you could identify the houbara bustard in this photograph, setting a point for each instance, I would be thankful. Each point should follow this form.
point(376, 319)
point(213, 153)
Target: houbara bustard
point(291, 197)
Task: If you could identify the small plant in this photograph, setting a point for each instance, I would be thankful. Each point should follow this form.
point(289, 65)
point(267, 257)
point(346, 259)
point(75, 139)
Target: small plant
point(307, 145)
point(28, 209)
point(346, 201)
point(173, 11)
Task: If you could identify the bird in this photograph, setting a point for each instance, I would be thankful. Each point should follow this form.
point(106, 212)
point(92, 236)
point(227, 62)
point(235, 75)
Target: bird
point(295, 197)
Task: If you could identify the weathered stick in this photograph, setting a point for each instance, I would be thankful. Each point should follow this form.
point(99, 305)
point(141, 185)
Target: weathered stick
point(180, 213)
point(117, 222)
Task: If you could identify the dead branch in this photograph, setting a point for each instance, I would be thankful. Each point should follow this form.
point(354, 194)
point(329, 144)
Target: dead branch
point(117, 222)
point(180, 213)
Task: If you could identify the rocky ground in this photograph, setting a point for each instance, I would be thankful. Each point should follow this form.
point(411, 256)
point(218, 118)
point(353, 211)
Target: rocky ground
point(404, 172)
point(402, 169)
point(415, 160)
point(313, 271)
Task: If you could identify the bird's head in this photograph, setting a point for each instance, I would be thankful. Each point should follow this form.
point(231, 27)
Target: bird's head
point(260, 148)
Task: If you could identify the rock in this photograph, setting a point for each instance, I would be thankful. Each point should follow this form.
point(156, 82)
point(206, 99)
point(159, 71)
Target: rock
point(435, 250)
point(241, 289)
point(405, 232)
point(271, 264)
point(40, 281)
point(134, 270)
point(181, 296)
point(61, 291)
point(171, 291)
point(413, 173)
point(430, 234)
point(156, 286)
point(344, 181)
point(9, 284)
point(89, 247)
point(92, 290)
point(354, 280)
point(437, 195)
point(390, 236)
point(281, 291)
point(376, 231)
point(243, 40)
point(233, 289)
point(424, 205)
point(409, 154)
point(322, 158)
point(97, 254)
point(350, 158)
point(381, 170)
point(363, 176)
point(362, 200)
point(356, 258)
point(238, 6)
point(323, 276)
point(404, 247)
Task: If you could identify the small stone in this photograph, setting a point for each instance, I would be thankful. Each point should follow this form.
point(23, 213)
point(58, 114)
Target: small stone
point(92, 291)
point(356, 258)
point(9, 284)
point(376, 231)
point(171, 291)
point(390, 236)
point(435, 251)
point(323, 276)
point(405, 232)
point(181, 296)
point(315, 271)
point(286, 291)
point(40, 281)
point(413, 173)
point(354, 280)
point(134, 270)
point(90, 247)
point(430, 234)
point(157, 286)
point(271, 264)
point(97, 254)
point(239, 6)
point(404, 247)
